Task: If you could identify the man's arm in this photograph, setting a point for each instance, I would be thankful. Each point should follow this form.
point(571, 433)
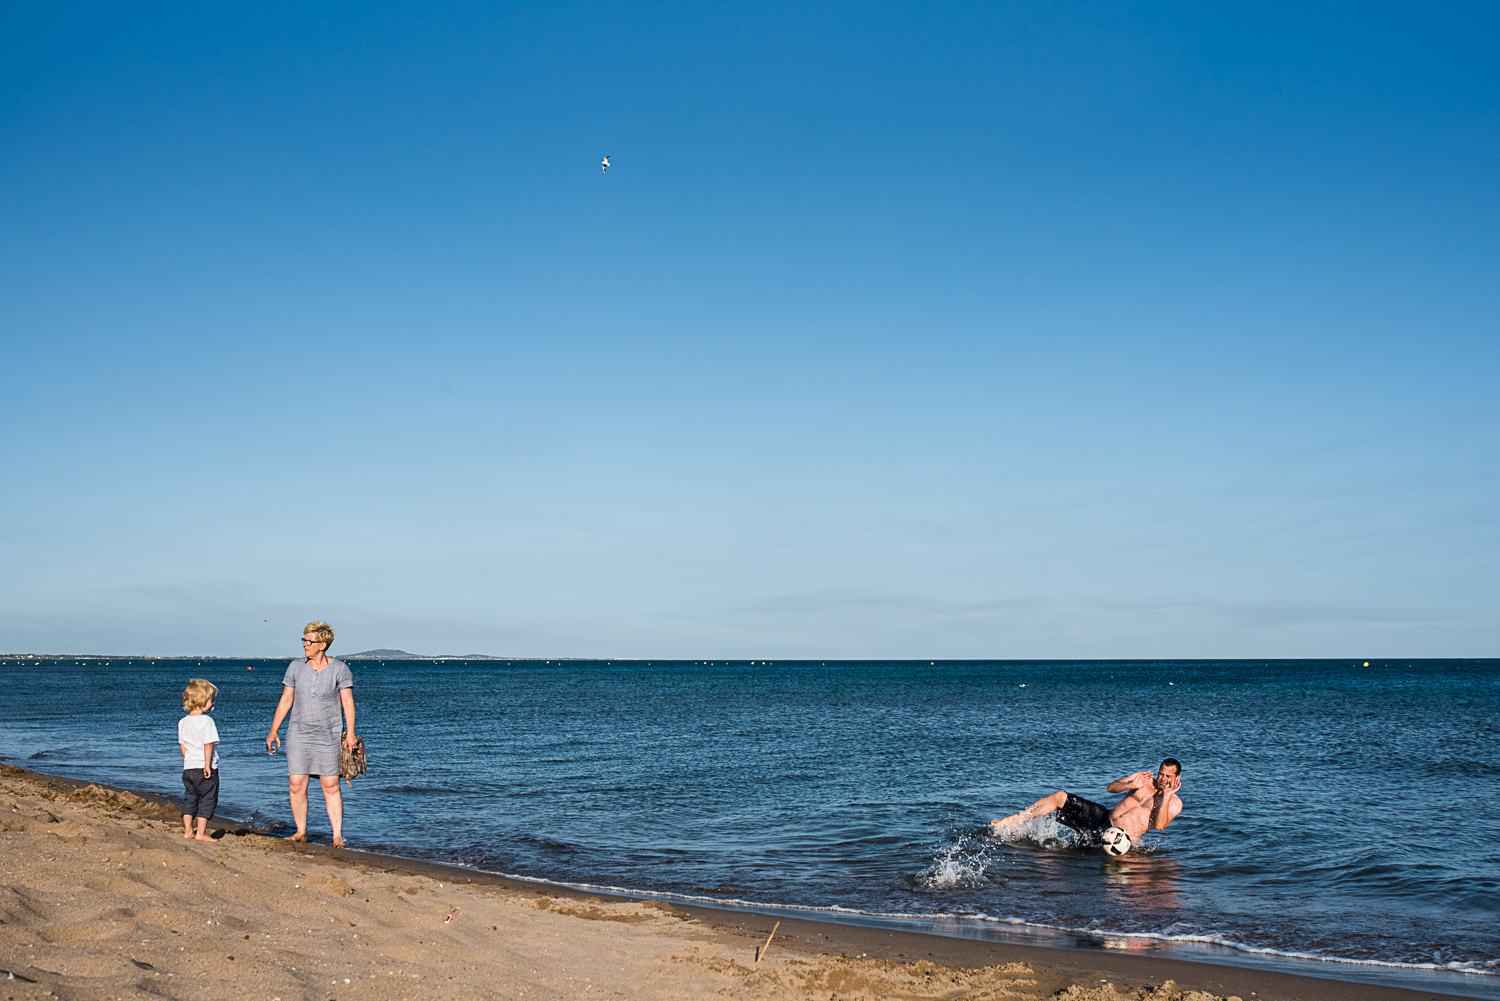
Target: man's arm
point(1135, 780)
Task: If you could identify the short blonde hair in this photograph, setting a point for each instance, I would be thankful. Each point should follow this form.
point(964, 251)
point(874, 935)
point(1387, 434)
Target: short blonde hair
point(322, 630)
point(198, 694)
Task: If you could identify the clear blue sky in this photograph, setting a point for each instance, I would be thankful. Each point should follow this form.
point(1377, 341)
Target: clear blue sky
point(922, 330)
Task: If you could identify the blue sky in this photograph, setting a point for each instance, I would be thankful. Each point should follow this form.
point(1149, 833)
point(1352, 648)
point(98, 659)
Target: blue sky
point(991, 330)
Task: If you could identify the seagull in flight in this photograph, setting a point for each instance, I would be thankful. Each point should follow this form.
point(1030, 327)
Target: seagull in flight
point(605, 164)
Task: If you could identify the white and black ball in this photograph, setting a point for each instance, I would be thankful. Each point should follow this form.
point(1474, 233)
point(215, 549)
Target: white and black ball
point(1115, 841)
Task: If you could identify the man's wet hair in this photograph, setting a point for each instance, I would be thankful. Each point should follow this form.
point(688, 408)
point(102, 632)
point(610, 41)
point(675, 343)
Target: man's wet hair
point(1173, 762)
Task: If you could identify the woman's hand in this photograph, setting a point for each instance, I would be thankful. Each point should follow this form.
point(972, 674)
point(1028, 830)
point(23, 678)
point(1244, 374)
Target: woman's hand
point(349, 741)
point(272, 736)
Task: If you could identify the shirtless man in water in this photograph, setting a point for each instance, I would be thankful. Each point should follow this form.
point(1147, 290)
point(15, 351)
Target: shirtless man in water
point(1151, 804)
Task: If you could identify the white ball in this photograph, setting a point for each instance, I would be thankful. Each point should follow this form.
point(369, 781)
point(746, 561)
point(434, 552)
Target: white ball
point(1116, 841)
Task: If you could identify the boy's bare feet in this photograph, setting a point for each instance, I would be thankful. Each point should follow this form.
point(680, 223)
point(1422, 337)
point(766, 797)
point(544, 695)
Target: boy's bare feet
point(188, 835)
point(202, 837)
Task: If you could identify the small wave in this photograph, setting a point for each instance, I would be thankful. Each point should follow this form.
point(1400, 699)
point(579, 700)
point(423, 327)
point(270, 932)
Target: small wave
point(1489, 967)
point(1448, 767)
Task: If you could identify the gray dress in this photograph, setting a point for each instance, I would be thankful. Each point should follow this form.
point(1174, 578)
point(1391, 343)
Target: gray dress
point(316, 726)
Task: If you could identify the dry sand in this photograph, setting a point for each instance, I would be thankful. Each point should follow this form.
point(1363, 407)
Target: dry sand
point(102, 898)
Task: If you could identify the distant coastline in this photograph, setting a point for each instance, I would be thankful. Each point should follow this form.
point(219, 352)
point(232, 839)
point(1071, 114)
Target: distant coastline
point(381, 654)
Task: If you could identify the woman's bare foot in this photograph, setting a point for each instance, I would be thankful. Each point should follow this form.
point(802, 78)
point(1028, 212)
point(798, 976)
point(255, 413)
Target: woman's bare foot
point(340, 843)
point(300, 837)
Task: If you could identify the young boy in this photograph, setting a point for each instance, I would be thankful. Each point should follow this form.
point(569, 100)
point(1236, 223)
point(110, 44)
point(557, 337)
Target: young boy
point(199, 740)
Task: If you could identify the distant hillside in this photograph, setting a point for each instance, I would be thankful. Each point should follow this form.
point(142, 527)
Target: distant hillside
point(404, 655)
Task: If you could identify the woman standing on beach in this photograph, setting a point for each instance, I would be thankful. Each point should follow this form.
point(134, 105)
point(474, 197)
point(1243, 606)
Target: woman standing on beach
point(317, 690)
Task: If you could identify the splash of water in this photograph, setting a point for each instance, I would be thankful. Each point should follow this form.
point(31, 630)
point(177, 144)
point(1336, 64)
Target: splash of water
point(962, 863)
point(1044, 832)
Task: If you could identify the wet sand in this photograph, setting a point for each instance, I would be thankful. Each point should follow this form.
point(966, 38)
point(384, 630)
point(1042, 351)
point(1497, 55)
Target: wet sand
point(102, 898)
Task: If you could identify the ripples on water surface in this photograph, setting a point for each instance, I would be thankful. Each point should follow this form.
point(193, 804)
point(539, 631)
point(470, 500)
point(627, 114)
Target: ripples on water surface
point(1330, 809)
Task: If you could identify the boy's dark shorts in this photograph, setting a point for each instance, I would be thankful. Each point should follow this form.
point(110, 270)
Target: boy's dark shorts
point(201, 795)
point(1084, 816)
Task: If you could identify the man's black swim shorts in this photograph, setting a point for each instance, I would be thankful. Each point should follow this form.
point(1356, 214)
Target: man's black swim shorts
point(1084, 816)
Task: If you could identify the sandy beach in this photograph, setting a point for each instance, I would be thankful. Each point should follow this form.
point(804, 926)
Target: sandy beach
point(103, 899)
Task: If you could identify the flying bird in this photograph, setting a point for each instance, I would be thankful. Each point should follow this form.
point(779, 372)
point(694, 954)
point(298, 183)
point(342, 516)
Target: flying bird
point(605, 164)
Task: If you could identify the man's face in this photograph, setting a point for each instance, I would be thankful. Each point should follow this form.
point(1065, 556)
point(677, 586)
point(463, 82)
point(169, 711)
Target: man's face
point(1166, 775)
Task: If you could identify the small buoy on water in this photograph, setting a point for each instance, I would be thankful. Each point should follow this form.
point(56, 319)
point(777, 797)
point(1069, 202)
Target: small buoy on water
point(1367, 663)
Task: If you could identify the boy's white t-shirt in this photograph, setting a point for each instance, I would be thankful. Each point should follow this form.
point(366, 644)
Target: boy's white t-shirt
point(193, 732)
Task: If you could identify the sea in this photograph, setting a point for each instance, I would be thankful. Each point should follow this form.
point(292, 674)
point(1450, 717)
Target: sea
point(1341, 818)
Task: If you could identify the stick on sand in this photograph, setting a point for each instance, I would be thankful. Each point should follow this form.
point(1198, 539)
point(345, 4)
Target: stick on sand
point(762, 950)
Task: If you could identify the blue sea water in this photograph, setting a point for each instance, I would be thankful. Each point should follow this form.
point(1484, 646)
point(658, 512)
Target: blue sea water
point(1338, 816)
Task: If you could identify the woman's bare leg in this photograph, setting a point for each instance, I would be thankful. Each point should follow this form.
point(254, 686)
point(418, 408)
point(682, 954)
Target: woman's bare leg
point(1042, 807)
point(297, 793)
point(333, 798)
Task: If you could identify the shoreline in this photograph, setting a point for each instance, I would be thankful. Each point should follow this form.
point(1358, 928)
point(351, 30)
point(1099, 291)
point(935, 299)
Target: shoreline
point(880, 958)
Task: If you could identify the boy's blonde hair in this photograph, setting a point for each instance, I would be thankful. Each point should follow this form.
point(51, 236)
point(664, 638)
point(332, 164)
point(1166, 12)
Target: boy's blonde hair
point(198, 694)
point(323, 631)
